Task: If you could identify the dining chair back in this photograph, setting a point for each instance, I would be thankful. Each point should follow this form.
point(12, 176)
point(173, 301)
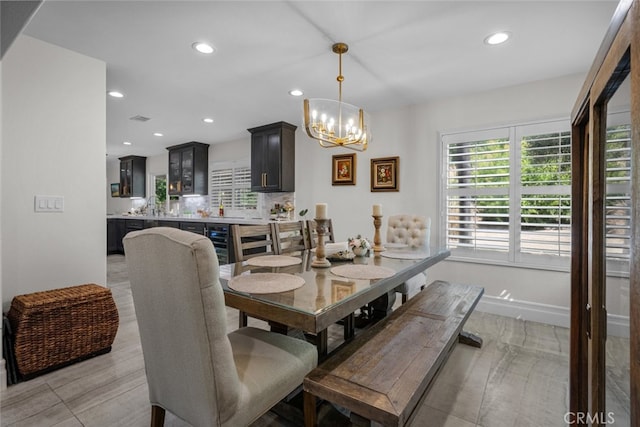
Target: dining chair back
point(312, 233)
point(290, 237)
point(195, 369)
point(253, 240)
point(414, 231)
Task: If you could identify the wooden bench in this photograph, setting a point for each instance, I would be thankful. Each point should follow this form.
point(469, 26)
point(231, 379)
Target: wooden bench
point(384, 373)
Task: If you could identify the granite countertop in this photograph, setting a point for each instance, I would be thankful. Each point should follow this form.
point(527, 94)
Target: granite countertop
point(211, 219)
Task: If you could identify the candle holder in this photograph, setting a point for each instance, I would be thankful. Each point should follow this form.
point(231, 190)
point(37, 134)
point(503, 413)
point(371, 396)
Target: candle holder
point(377, 243)
point(319, 260)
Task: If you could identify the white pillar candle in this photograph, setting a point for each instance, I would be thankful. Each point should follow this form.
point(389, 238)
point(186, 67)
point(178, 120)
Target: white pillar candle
point(377, 210)
point(321, 210)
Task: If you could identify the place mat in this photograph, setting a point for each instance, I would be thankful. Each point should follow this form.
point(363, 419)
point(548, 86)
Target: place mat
point(362, 271)
point(273, 261)
point(405, 254)
point(266, 283)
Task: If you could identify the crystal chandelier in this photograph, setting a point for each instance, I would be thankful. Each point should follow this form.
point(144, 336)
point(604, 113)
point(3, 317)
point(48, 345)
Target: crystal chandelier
point(336, 123)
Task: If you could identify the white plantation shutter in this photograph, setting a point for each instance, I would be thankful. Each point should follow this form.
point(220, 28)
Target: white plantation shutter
point(618, 192)
point(232, 185)
point(507, 194)
point(544, 191)
point(477, 202)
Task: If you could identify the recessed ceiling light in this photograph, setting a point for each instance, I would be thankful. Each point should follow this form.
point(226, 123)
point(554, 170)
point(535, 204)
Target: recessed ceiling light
point(126, 143)
point(295, 92)
point(497, 38)
point(158, 134)
point(203, 47)
point(115, 94)
point(207, 120)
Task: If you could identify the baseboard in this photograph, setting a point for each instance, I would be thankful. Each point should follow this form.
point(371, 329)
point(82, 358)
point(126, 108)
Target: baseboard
point(553, 315)
point(3, 375)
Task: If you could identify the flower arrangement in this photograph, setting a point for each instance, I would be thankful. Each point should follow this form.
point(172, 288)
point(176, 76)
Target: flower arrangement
point(359, 245)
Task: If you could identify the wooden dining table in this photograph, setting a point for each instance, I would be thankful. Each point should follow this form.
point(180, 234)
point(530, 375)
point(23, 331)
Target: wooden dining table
point(325, 297)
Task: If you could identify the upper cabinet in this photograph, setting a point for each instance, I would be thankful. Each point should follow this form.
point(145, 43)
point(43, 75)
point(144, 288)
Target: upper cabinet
point(273, 158)
point(133, 176)
point(188, 169)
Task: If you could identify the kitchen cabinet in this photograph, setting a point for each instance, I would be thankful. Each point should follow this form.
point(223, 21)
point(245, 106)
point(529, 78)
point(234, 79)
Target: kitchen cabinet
point(273, 158)
point(133, 176)
point(115, 233)
point(194, 227)
point(188, 169)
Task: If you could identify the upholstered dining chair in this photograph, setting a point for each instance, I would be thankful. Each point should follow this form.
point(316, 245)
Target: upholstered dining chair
point(414, 231)
point(195, 369)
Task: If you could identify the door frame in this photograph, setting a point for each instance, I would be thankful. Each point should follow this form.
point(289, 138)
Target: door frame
point(619, 53)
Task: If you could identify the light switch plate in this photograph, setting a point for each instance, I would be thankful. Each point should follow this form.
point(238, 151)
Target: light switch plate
point(49, 204)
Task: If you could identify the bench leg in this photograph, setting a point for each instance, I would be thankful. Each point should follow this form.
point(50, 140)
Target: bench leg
point(309, 402)
point(470, 339)
point(157, 416)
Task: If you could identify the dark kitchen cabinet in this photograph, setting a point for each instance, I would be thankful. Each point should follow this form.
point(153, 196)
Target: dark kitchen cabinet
point(133, 176)
point(115, 233)
point(188, 169)
point(194, 227)
point(273, 158)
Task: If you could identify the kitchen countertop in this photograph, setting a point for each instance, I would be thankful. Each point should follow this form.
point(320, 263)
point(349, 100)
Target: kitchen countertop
point(211, 219)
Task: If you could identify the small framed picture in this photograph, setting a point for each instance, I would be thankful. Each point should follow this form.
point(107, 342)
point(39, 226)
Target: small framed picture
point(115, 190)
point(344, 169)
point(384, 174)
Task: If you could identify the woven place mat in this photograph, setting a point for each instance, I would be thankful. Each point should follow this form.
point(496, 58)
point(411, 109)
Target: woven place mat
point(266, 283)
point(405, 254)
point(360, 271)
point(273, 261)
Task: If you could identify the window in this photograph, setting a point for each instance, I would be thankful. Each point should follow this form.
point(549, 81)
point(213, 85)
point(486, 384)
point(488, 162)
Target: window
point(507, 194)
point(231, 184)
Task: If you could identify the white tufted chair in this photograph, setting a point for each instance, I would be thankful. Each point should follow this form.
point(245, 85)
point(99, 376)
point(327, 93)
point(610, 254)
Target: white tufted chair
point(195, 369)
point(415, 231)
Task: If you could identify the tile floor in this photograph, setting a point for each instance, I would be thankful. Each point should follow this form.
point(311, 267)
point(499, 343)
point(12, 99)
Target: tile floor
point(518, 378)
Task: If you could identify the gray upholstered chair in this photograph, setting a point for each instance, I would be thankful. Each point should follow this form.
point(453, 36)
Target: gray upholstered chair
point(194, 368)
point(414, 231)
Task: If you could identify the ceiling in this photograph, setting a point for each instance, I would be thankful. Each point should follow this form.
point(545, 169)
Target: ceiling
point(400, 53)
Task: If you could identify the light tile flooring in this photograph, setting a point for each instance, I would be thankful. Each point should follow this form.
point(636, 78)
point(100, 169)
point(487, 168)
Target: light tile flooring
point(518, 378)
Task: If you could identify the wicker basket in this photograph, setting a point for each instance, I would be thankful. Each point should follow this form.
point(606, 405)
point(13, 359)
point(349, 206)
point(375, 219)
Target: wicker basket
point(61, 326)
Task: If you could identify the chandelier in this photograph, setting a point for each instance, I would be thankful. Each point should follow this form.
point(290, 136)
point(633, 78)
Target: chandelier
point(336, 123)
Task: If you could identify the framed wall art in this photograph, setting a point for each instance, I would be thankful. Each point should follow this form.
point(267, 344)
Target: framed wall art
point(384, 174)
point(115, 190)
point(344, 169)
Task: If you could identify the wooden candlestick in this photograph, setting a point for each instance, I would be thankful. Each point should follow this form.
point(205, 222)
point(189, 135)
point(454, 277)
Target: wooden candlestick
point(377, 243)
point(319, 260)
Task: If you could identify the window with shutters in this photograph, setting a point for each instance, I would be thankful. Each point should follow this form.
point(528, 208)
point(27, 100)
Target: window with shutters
point(231, 184)
point(507, 194)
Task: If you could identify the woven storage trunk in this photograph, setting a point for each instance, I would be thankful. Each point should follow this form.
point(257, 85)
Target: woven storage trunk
point(57, 327)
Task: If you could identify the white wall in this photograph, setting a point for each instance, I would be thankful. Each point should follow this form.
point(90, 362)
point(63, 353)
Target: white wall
point(53, 143)
point(412, 134)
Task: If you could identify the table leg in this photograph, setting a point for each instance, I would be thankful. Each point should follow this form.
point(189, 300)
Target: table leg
point(349, 326)
point(383, 305)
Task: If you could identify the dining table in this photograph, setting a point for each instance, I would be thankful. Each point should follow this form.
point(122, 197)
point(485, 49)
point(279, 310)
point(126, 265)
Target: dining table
point(289, 293)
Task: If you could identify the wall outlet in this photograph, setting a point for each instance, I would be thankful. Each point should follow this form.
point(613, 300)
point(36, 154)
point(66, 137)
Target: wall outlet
point(49, 204)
